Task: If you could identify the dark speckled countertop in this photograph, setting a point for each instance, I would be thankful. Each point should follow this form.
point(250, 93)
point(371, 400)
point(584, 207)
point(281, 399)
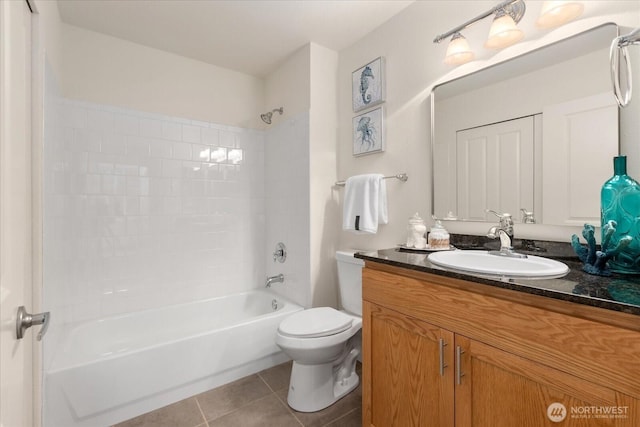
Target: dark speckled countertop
point(618, 292)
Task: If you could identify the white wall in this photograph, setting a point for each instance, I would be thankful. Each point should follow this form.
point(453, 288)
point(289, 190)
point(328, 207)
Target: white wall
point(104, 69)
point(288, 85)
point(286, 182)
point(324, 196)
point(413, 66)
point(50, 33)
point(404, 41)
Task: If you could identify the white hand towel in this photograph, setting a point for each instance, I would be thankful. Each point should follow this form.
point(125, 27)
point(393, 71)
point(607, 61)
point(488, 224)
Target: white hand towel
point(365, 203)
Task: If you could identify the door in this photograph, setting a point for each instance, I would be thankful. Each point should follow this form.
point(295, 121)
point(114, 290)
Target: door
point(16, 376)
point(576, 133)
point(408, 381)
point(495, 168)
point(498, 389)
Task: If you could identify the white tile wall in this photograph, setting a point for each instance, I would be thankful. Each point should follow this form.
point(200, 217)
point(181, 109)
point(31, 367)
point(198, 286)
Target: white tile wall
point(144, 210)
point(287, 205)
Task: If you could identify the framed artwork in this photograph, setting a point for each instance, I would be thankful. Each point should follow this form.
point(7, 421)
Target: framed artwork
point(367, 88)
point(368, 135)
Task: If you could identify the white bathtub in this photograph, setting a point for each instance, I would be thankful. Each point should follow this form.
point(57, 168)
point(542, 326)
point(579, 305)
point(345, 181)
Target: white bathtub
point(113, 369)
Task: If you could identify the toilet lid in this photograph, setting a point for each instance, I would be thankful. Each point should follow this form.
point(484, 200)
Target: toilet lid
point(315, 322)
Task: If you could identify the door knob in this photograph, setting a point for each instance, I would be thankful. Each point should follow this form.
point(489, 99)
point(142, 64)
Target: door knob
point(25, 320)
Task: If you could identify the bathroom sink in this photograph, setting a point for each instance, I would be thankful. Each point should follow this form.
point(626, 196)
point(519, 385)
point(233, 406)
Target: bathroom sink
point(482, 262)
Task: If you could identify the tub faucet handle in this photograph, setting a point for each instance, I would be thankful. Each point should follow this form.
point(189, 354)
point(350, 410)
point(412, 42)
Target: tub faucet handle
point(280, 254)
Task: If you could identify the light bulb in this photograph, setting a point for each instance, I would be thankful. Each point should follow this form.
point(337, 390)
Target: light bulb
point(458, 51)
point(556, 13)
point(503, 32)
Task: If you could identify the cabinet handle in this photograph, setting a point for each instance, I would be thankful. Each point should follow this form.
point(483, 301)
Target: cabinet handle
point(442, 344)
point(459, 373)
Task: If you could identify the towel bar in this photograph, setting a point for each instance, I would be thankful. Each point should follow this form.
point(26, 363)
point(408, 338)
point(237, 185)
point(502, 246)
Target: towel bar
point(401, 176)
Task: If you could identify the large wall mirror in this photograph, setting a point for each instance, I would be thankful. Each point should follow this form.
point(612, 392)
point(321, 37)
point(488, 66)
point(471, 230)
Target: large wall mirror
point(537, 132)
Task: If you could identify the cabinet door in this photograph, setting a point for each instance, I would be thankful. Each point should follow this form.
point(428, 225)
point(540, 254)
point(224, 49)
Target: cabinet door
point(408, 371)
point(497, 389)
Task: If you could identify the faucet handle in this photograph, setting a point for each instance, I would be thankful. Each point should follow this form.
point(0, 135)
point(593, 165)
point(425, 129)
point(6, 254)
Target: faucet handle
point(499, 215)
point(505, 218)
point(527, 217)
point(506, 221)
point(280, 254)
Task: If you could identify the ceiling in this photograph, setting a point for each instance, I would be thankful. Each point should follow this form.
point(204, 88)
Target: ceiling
point(249, 36)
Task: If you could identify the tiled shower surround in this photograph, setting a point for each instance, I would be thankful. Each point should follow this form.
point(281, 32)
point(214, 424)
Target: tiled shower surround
point(143, 210)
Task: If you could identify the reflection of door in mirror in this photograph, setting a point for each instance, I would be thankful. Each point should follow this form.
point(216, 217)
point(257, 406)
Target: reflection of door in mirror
point(578, 135)
point(568, 72)
point(495, 168)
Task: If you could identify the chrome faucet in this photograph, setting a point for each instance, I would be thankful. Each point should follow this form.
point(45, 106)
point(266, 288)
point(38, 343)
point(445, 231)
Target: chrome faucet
point(504, 231)
point(506, 222)
point(274, 279)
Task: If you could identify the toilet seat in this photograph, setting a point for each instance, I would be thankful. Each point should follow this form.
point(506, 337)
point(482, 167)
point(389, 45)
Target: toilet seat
point(315, 322)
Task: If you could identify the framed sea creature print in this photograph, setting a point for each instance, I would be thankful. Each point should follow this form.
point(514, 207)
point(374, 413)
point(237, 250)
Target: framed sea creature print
point(368, 135)
point(367, 88)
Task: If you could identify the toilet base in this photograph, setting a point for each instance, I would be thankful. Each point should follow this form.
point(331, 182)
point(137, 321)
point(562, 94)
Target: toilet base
point(315, 387)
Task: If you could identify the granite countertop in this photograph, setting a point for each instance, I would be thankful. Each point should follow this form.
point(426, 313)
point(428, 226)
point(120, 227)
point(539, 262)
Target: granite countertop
point(618, 292)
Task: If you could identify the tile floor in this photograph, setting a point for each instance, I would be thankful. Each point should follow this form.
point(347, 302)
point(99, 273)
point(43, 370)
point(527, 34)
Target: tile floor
point(256, 400)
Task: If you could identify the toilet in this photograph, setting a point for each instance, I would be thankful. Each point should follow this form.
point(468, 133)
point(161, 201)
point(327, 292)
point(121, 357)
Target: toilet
point(325, 343)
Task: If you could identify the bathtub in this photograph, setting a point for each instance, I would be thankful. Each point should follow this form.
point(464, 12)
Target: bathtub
point(113, 369)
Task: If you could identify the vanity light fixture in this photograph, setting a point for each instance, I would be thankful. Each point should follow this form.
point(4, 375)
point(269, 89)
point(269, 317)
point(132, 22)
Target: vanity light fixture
point(558, 12)
point(458, 51)
point(503, 33)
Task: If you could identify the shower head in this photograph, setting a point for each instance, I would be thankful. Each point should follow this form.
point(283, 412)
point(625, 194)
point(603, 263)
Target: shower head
point(266, 117)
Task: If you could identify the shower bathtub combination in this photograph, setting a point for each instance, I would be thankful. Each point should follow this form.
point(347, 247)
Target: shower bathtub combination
point(113, 369)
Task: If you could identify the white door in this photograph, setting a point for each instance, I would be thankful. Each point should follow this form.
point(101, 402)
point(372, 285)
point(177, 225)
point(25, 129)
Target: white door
point(16, 376)
point(495, 169)
point(578, 137)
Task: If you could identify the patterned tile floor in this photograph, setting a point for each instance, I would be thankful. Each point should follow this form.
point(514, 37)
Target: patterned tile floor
point(252, 401)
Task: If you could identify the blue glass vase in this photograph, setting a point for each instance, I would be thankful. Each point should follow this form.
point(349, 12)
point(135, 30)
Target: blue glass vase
point(620, 202)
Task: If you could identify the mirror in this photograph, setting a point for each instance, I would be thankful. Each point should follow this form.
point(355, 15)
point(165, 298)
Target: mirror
point(537, 132)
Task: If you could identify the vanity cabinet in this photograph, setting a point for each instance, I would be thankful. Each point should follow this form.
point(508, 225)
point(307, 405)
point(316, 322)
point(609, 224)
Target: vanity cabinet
point(442, 352)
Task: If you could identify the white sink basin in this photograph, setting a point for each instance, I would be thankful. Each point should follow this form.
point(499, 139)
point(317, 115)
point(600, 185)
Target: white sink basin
point(481, 262)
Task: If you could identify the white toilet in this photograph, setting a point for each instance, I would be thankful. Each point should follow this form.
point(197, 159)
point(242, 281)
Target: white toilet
point(324, 343)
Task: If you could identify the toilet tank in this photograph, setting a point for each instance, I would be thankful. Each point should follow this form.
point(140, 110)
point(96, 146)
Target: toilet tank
point(350, 281)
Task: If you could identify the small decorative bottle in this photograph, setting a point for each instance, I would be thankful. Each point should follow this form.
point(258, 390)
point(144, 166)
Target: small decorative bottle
point(415, 232)
point(438, 237)
point(620, 202)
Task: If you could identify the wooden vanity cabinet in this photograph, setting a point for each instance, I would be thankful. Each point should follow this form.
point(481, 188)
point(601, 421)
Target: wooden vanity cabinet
point(442, 352)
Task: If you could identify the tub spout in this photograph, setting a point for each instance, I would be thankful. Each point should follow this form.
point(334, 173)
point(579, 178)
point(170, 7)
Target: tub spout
point(274, 279)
